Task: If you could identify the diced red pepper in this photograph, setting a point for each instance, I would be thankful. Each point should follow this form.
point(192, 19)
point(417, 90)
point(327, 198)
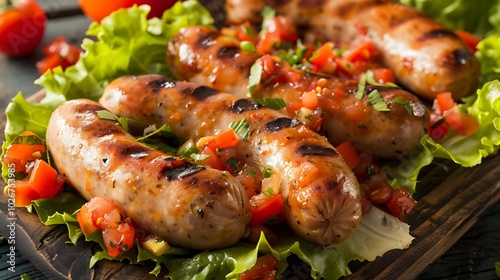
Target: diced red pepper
point(349, 154)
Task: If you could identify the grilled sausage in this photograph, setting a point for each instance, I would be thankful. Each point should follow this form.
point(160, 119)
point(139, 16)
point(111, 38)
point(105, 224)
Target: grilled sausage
point(426, 57)
point(321, 195)
point(203, 55)
point(185, 204)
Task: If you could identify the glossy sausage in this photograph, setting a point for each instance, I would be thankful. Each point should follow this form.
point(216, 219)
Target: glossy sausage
point(321, 194)
point(203, 55)
point(187, 205)
point(426, 57)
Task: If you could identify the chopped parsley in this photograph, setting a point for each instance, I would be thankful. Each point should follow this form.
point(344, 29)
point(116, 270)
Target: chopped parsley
point(273, 103)
point(242, 128)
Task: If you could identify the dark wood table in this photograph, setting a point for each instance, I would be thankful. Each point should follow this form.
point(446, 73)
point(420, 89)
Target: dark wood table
point(473, 256)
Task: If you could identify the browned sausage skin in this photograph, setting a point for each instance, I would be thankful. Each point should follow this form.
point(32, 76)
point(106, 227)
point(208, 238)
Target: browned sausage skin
point(185, 204)
point(203, 55)
point(321, 194)
point(426, 57)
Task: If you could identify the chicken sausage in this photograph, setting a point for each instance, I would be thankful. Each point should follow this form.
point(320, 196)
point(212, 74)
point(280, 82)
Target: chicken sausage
point(321, 195)
point(204, 55)
point(426, 57)
point(185, 204)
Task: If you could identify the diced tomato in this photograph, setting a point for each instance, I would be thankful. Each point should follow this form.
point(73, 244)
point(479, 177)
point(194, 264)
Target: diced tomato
point(120, 239)
point(264, 269)
point(292, 107)
point(438, 131)
point(464, 124)
point(322, 55)
point(349, 154)
point(264, 207)
point(310, 99)
point(84, 218)
point(383, 75)
point(24, 148)
point(292, 76)
point(58, 53)
point(444, 101)
point(210, 158)
point(470, 39)
point(100, 207)
point(225, 139)
point(266, 43)
point(117, 231)
point(25, 194)
point(400, 203)
point(377, 188)
point(45, 180)
point(361, 52)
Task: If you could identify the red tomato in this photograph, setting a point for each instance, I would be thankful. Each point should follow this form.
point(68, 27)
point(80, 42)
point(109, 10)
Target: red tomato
point(264, 269)
point(263, 207)
point(45, 180)
point(464, 124)
point(118, 232)
point(21, 28)
point(25, 194)
point(24, 148)
point(96, 10)
point(400, 203)
point(58, 53)
point(119, 240)
point(348, 153)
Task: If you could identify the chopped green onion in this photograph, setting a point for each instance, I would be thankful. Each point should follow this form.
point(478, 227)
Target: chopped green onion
point(268, 192)
point(247, 46)
point(250, 171)
point(199, 157)
point(405, 103)
point(188, 151)
point(376, 100)
point(266, 172)
point(255, 76)
point(273, 103)
point(361, 87)
point(241, 127)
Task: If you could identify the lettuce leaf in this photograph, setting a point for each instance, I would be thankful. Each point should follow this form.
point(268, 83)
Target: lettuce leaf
point(481, 17)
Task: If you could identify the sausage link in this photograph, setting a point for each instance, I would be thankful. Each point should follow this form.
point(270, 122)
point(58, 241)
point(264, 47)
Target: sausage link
point(203, 55)
point(426, 57)
point(321, 194)
point(187, 205)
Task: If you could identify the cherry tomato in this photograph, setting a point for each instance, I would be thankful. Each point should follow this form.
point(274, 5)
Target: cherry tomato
point(58, 53)
point(21, 27)
point(96, 10)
